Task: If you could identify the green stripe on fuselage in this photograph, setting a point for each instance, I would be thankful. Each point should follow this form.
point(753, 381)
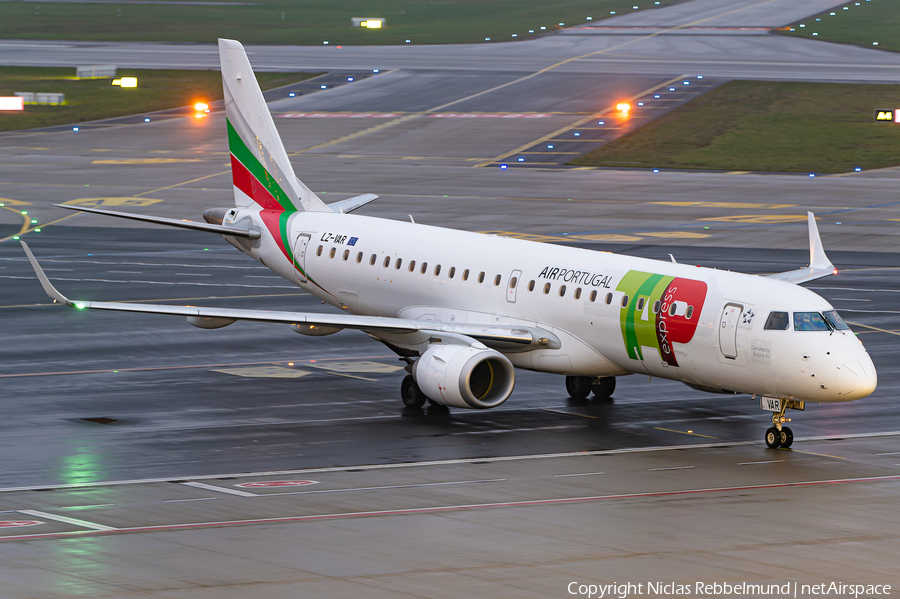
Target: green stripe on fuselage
point(637, 331)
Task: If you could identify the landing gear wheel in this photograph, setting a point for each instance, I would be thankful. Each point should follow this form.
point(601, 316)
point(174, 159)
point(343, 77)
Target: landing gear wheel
point(603, 387)
point(411, 394)
point(773, 438)
point(787, 437)
point(578, 386)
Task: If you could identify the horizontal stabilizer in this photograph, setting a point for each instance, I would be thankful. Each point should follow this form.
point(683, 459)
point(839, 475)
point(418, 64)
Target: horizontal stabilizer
point(171, 222)
point(819, 264)
point(351, 204)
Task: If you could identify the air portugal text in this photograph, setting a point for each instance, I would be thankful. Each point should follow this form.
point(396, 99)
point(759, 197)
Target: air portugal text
point(579, 277)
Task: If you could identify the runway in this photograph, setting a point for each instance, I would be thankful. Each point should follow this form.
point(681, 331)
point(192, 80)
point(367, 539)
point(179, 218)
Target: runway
point(138, 448)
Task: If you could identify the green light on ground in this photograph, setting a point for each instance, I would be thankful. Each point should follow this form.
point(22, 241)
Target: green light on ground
point(24, 213)
point(38, 230)
point(16, 237)
point(79, 306)
point(34, 221)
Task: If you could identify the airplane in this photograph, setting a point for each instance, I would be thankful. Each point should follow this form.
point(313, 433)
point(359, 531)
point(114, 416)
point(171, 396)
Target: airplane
point(464, 309)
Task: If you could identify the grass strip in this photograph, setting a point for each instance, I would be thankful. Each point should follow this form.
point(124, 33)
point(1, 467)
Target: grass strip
point(310, 22)
point(870, 23)
point(765, 126)
point(93, 99)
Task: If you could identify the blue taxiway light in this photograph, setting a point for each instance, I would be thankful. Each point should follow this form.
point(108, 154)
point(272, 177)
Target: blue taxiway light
point(74, 128)
point(812, 174)
point(858, 169)
point(521, 160)
point(147, 119)
point(502, 166)
point(656, 96)
point(577, 134)
point(292, 94)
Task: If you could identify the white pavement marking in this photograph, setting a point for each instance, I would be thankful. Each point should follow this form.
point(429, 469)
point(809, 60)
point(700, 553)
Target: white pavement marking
point(578, 474)
point(671, 468)
point(67, 520)
point(237, 492)
point(485, 460)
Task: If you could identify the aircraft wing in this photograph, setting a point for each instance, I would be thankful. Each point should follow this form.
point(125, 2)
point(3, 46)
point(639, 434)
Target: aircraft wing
point(488, 334)
point(819, 264)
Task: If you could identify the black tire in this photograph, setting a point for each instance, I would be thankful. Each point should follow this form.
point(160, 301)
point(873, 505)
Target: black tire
point(410, 393)
point(787, 437)
point(579, 387)
point(604, 388)
point(773, 438)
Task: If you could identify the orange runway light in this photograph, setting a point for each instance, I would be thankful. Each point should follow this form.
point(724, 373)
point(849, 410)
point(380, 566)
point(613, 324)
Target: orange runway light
point(201, 107)
point(624, 108)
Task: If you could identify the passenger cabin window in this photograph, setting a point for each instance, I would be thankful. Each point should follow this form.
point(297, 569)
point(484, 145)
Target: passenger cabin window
point(332, 252)
point(372, 260)
point(777, 321)
point(387, 261)
point(562, 291)
point(512, 282)
point(452, 272)
point(424, 267)
point(531, 285)
point(578, 293)
point(466, 275)
point(809, 321)
point(346, 254)
point(497, 281)
point(689, 312)
point(609, 298)
point(412, 265)
point(359, 257)
point(624, 301)
point(640, 304)
point(319, 251)
point(437, 270)
point(656, 307)
point(594, 295)
point(398, 263)
point(546, 288)
point(481, 277)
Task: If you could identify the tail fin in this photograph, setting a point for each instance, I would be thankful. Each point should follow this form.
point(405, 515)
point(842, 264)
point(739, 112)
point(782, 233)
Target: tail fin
point(260, 166)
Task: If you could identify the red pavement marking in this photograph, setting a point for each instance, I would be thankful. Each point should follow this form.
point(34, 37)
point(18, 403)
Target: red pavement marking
point(18, 523)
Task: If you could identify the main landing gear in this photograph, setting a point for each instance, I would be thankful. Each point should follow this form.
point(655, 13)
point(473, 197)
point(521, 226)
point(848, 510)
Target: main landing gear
point(411, 394)
point(414, 399)
point(579, 387)
point(779, 435)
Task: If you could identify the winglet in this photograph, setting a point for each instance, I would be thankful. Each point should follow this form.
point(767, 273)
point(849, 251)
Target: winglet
point(819, 264)
point(817, 258)
point(49, 289)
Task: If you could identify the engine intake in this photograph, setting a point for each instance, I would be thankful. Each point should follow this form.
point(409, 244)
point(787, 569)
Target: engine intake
point(465, 377)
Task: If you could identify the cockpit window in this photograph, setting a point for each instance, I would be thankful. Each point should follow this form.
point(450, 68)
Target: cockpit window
point(810, 321)
point(835, 320)
point(777, 321)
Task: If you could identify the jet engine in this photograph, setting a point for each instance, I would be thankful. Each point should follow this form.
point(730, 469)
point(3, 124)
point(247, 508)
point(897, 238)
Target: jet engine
point(464, 377)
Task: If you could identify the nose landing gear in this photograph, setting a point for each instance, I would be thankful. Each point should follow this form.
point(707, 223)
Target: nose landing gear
point(779, 435)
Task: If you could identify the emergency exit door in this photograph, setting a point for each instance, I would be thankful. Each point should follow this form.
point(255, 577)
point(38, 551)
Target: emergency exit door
point(300, 245)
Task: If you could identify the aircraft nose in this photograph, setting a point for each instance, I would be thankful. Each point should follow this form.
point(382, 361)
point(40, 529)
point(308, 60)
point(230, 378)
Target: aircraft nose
point(857, 378)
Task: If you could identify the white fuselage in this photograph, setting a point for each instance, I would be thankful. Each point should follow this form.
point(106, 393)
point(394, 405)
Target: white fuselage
point(373, 266)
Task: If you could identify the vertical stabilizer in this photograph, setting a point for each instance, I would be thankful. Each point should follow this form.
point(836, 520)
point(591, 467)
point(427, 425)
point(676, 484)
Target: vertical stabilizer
point(260, 167)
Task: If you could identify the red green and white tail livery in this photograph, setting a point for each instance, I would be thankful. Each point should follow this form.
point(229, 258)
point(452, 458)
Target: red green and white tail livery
point(464, 310)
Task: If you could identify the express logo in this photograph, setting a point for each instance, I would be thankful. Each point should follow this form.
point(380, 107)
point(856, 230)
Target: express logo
point(660, 311)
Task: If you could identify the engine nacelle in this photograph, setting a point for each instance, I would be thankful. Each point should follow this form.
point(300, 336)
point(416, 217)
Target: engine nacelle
point(464, 377)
